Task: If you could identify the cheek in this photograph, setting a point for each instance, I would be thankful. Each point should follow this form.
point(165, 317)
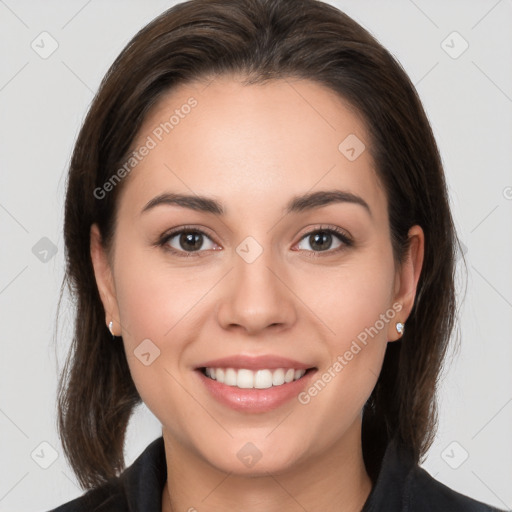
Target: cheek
point(349, 299)
point(154, 298)
point(354, 305)
point(155, 305)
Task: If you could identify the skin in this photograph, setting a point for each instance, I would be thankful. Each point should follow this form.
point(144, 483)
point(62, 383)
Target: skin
point(253, 148)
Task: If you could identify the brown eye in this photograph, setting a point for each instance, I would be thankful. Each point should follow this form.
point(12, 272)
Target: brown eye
point(320, 241)
point(323, 240)
point(189, 241)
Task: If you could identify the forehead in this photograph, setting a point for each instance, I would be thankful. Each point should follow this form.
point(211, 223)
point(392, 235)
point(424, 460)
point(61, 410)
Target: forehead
point(253, 143)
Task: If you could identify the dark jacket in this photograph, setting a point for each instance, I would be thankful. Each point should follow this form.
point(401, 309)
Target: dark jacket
point(401, 486)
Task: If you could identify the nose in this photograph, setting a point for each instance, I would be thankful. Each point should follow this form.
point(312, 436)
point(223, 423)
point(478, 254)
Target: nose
point(256, 297)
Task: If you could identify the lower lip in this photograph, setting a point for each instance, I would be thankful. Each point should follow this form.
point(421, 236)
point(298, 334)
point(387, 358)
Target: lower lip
point(255, 400)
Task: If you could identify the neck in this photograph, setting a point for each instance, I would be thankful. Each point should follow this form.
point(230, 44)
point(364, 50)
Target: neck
point(332, 481)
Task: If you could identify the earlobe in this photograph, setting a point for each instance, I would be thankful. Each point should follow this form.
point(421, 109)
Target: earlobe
point(406, 282)
point(104, 279)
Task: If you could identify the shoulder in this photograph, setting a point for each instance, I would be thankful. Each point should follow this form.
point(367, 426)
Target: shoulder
point(424, 493)
point(138, 488)
point(403, 486)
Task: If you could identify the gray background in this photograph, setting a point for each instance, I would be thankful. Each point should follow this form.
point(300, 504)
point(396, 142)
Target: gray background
point(43, 102)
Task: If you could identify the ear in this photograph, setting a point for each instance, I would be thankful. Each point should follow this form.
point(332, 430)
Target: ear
point(406, 280)
point(104, 280)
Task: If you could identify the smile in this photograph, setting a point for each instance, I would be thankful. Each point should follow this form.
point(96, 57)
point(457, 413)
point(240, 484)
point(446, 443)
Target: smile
point(257, 390)
point(244, 378)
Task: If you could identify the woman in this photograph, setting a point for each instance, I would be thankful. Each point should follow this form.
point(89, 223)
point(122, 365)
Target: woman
point(259, 239)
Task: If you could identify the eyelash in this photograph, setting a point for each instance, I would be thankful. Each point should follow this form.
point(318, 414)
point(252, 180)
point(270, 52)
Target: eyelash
point(342, 236)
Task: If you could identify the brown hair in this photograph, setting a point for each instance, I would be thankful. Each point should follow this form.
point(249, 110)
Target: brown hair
point(259, 40)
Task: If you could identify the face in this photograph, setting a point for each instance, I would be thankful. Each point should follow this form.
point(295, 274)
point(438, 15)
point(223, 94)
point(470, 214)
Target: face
point(252, 241)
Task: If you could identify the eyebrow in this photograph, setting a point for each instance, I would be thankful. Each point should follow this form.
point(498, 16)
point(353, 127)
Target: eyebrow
point(297, 204)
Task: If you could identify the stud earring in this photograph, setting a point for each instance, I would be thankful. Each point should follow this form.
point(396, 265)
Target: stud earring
point(400, 328)
point(111, 329)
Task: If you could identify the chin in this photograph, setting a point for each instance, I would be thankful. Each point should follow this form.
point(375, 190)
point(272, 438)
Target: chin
point(255, 458)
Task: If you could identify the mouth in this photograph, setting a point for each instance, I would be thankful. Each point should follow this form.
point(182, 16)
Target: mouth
point(254, 384)
point(264, 378)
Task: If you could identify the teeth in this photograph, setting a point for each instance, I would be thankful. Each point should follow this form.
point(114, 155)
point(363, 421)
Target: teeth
point(263, 379)
point(230, 377)
point(260, 379)
point(278, 377)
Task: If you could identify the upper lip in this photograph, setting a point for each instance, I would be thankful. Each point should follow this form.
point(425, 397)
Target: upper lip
point(255, 363)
